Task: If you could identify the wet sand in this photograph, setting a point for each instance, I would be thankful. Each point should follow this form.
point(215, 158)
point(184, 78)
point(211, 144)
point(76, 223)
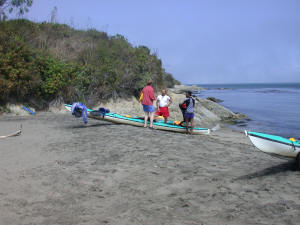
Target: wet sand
point(60, 171)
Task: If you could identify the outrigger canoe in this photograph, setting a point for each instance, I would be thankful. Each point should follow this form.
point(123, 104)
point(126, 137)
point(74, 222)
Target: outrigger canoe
point(275, 145)
point(136, 121)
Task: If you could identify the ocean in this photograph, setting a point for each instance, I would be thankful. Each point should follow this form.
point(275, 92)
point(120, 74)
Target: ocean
point(270, 108)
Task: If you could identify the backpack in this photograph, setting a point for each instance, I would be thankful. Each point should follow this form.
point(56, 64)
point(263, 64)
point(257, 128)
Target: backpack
point(182, 106)
point(186, 103)
point(141, 96)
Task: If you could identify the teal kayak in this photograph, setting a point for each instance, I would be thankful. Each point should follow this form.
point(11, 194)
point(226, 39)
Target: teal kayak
point(136, 121)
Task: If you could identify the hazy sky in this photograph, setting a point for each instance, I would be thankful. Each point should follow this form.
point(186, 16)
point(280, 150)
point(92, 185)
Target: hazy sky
point(199, 41)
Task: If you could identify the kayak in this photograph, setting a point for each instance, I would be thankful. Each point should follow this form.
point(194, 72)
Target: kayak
point(136, 121)
point(275, 145)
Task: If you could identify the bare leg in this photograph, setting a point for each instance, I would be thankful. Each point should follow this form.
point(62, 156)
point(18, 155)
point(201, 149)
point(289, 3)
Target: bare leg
point(192, 125)
point(151, 119)
point(186, 125)
point(146, 119)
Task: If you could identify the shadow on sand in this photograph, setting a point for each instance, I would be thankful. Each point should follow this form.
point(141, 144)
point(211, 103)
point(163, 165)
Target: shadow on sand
point(281, 168)
point(93, 125)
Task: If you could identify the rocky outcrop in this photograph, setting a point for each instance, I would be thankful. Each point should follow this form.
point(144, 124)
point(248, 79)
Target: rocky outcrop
point(213, 99)
point(223, 114)
point(206, 111)
point(180, 89)
point(18, 109)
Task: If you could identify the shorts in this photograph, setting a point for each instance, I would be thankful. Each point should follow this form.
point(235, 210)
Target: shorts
point(189, 115)
point(148, 108)
point(163, 111)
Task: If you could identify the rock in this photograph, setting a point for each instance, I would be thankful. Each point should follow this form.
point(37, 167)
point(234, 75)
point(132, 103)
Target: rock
point(57, 106)
point(18, 109)
point(219, 111)
point(242, 116)
point(206, 111)
point(224, 88)
point(130, 106)
point(180, 89)
point(213, 99)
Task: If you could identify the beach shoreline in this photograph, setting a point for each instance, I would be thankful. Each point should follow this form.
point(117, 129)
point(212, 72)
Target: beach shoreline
point(60, 171)
point(207, 112)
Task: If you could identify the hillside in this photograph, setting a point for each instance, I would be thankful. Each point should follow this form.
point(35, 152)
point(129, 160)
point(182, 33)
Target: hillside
point(45, 62)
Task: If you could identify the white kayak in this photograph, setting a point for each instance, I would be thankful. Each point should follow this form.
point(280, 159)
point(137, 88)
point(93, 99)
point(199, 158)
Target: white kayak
point(275, 145)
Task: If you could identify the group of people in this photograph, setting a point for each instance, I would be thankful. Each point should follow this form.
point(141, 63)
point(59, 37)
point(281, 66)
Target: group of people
point(163, 102)
point(147, 97)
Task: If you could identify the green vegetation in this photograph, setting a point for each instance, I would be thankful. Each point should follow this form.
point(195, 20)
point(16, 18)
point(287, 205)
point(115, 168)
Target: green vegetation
point(4, 109)
point(42, 62)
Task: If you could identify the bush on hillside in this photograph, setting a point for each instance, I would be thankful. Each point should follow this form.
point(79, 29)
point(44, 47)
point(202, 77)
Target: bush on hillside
point(42, 62)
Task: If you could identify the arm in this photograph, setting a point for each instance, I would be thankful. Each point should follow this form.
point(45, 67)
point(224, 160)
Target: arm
point(152, 96)
point(170, 101)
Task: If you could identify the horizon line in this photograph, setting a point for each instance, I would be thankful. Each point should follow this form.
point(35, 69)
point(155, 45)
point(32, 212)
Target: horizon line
point(242, 83)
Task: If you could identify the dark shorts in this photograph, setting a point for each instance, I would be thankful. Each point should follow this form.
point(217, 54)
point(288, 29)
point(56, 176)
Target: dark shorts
point(189, 115)
point(77, 112)
point(148, 108)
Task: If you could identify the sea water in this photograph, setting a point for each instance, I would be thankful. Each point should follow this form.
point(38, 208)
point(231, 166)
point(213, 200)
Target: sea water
point(270, 108)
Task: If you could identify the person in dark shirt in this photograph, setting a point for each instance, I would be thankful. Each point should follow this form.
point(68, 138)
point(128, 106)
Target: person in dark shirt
point(189, 104)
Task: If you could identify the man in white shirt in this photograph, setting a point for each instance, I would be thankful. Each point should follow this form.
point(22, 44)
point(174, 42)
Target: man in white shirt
point(162, 103)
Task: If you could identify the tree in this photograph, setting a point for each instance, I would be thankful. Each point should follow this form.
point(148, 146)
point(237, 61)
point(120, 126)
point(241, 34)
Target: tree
point(9, 5)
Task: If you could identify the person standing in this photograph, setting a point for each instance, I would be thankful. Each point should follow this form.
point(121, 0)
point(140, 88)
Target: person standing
point(189, 112)
point(163, 102)
point(147, 102)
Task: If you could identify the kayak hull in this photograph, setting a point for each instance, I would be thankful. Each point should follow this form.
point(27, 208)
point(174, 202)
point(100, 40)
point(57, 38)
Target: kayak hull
point(116, 118)
point(274, 145)
point(157, 126)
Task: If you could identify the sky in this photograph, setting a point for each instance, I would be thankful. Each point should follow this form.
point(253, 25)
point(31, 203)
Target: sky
point(198, 41)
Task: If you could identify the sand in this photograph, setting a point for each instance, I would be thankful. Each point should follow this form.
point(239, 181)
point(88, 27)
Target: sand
point(60, 171)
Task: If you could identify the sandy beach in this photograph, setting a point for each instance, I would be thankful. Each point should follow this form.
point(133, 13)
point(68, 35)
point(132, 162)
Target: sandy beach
point(60, 171)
